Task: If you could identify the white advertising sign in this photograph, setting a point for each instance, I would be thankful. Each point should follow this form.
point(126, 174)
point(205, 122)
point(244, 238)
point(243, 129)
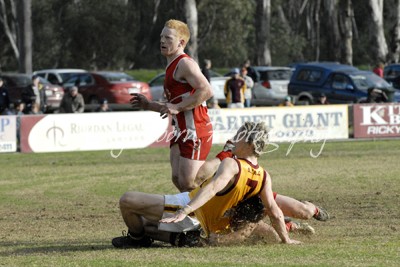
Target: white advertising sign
point(8, 134)
point(96, 131)
point(287, 124)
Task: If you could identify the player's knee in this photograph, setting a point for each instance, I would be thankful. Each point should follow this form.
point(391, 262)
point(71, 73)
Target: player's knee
point(127, 200)
point(308, 210)
point(175, 181)
point(186, 186)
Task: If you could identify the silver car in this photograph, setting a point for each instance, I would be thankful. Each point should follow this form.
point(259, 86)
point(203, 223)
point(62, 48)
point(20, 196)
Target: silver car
point(58, 76)
point(270, 85)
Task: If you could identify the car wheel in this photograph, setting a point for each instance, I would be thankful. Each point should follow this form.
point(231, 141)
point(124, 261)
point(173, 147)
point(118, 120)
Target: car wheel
point(304, 101)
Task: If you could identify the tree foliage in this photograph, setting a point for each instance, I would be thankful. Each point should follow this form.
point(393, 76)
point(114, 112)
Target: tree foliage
point(124, 34)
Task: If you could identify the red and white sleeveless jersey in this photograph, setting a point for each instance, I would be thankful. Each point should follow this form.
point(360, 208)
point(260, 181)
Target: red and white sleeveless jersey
point(191, 124)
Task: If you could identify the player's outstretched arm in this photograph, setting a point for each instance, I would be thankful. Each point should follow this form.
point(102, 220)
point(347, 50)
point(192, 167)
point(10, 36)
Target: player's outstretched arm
point(227, 170)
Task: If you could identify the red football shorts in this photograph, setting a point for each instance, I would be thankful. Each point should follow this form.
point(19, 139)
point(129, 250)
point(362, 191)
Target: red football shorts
point(193, 149)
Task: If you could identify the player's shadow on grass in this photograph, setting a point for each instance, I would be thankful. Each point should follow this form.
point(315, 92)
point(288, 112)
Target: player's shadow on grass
point(25, 248)
point(46, 247)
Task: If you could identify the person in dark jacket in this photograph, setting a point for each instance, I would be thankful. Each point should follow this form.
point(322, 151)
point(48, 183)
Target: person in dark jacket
point(72, 102)
point(34, 94)
point(4, 99)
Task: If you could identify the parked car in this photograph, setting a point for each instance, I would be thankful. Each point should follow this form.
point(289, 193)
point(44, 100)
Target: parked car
point(217, 83)
point(340, 83)
point(157, 87)
point(270, 84)
point(391, 71)
point(58, 76)
point(116, 87)
point(16, 82)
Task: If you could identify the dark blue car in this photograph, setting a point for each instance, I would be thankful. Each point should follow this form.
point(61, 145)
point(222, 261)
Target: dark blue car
point(340, 83)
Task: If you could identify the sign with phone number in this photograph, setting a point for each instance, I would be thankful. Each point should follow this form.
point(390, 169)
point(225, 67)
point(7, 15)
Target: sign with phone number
point(286, 124)
point(8, 134)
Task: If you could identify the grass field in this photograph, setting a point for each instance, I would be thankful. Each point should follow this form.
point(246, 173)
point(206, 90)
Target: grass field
point(61, 209)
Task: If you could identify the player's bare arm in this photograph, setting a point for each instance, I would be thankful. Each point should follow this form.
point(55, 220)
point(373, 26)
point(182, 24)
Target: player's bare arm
point(189, 71)
point(139, 100)
point(207, 170)
point(222, 178)
point(274, 212)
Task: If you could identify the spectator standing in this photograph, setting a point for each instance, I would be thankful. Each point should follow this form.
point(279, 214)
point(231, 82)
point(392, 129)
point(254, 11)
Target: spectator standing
point(103, 107)
point(72, 102)
point(213, 104)
point(4, 98)
point(206, 69)
point(249, 86)
point(36, 109)
point(34, 93)
point(234, 90)
point(19, 107)
point(287, 102)
point(251, 71)
point(322, 100)
point(206, 72)
point(378, 70)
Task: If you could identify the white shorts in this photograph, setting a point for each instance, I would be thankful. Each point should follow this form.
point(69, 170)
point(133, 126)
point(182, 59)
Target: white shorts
point(172, 203)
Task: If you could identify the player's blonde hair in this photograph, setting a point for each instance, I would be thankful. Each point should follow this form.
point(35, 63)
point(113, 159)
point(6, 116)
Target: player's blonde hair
point(256, 133)
point(181, 28)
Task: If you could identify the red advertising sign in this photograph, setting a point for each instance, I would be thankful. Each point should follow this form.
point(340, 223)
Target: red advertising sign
point(376, 120)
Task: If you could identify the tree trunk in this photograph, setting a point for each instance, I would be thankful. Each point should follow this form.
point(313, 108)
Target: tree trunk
point(332, 25)
point(346, 31)
point(24, 35)
point(395, 36)
point(314, 27)
point(379, 46)
point(9, 26)
point(191, 19)
point(263, 21)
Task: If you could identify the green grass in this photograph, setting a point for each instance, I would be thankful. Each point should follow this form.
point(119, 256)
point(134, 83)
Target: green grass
point(61, 209)
point(145, 75)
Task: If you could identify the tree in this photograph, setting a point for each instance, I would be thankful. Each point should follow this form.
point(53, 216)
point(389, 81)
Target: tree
point(313, 28)
point(379, 46)
point(262, 26)
point(394, 53)
point(346, 31)
point(24, 35)
point(191, 19)
point(8, 17)
point(330, 9)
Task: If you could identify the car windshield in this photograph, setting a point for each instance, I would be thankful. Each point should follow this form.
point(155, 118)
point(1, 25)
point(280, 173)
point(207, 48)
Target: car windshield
point(368, 80)
point(117, 77)
point(66, 76)
point(277, 75)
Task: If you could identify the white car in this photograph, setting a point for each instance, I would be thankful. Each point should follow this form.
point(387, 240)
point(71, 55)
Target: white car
point(271, 88)
point(270, 84)
point(58, 76)
point(217, 83)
